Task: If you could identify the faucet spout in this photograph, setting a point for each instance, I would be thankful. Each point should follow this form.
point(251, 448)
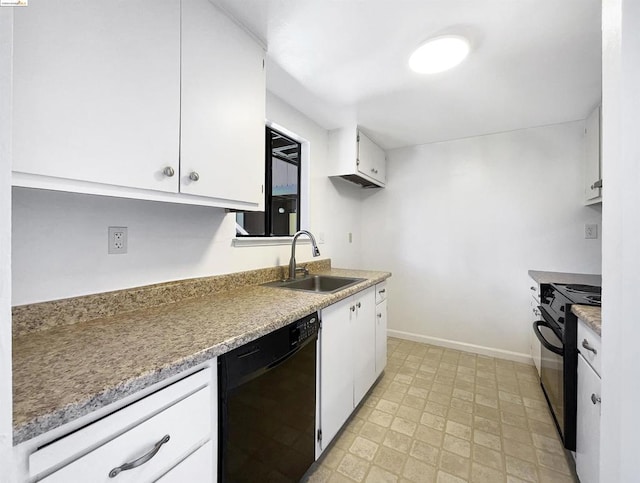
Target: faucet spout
point(292, 261)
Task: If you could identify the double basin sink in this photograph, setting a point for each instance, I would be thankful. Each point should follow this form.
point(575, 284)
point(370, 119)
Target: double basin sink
point(317, 283)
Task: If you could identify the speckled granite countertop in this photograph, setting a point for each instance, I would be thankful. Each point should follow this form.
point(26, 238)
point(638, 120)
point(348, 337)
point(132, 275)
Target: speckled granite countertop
point(66, 371)
point(592, 316)
point(564, 277)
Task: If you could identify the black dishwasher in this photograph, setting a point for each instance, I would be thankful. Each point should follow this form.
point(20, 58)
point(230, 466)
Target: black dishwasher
point(267, 407)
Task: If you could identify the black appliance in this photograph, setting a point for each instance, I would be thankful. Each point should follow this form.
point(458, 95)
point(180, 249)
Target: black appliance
point(267, 410)
point(557, 332)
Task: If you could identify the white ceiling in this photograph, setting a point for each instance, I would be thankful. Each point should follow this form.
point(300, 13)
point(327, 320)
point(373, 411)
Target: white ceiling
point(533, 63)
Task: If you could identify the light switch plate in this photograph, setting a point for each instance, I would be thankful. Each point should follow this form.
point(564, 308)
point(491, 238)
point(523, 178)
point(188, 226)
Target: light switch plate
point(590, 231)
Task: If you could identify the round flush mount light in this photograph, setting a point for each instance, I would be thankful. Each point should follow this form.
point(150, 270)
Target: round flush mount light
point(439, 54)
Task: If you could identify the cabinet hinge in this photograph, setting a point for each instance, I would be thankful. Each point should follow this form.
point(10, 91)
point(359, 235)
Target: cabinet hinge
point(358, 138)
point(357, 161)
point(262, 188)
point(319, 435)
point(262, 64)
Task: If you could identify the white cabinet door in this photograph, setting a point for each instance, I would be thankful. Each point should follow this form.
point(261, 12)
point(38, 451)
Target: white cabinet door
point(363, 336)
point(96, 91)
point(196, 468)
point(381, 337)
point(223, 107)
point(371, 159)
point(536, 346)
point(588, 423)
point(593, 172)
point(336, 370)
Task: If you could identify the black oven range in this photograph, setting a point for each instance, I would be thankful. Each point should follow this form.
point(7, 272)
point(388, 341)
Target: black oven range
point(557, 332)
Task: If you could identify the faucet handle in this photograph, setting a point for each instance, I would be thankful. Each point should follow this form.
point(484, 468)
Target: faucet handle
point(303, 269)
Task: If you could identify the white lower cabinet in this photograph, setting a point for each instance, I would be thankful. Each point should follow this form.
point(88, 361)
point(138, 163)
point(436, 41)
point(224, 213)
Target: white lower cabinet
point(336, 371)
point(536, 346)
point(350, 360)
point(381, 327)
point(168, 434)
point(588, 421)
point(363, 340)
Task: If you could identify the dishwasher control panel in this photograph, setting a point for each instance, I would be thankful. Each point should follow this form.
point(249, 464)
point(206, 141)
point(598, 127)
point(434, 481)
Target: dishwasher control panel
point(304, 328)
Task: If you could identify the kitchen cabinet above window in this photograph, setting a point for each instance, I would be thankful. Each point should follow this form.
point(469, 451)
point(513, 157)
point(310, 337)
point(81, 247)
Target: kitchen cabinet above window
point(356, 158)
point(155, 99)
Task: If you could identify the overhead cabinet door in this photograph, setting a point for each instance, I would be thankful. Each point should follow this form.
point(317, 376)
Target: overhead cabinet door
point(223, 104)
point(97, 91)
point(371, 159)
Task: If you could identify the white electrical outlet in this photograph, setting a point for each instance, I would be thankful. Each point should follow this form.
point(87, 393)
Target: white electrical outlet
point(117, 240)
point(590, 231)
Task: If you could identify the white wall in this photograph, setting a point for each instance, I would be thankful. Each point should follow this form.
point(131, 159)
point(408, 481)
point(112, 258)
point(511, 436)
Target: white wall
point(461, 222)
point(6, 431)
point(620, 438)
point(59, 239)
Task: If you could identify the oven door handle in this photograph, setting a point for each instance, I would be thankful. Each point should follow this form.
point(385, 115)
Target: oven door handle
point(543, 341)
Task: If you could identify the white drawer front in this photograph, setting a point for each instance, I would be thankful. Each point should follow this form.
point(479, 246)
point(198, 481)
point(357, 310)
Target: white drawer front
point(381, 292)
point(188, 424)
point(90, 437)
point(588, 338)
point(197, 467)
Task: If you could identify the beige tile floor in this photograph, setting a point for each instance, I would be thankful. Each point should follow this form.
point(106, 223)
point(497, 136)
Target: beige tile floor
point(446, 416)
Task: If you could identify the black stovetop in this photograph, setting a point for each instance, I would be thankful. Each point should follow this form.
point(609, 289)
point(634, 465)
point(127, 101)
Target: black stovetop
point(580, 294)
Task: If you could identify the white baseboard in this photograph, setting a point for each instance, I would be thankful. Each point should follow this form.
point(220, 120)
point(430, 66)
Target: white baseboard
point(463, 346)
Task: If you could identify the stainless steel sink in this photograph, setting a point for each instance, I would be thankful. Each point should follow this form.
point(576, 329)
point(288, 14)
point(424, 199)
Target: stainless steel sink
point(317, 283)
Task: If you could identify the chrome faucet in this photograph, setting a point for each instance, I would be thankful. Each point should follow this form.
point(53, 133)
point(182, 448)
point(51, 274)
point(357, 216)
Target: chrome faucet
point(292, 260)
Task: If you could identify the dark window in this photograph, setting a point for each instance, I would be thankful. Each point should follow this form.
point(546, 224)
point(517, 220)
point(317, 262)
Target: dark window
point(282, 193)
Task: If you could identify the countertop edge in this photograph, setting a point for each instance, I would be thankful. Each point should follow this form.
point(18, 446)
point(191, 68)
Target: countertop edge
point(49, 421)
point(542, 276)
point(592, 316)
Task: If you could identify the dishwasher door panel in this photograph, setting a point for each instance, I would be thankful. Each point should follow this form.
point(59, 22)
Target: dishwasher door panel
point(268, 421)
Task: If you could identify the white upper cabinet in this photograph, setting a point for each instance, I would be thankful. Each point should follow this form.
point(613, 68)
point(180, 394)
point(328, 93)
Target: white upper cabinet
point(97, 91)
point(356, 158)
point(371, 159)
point(223, 107)
point(593, 165)
point(139, 100)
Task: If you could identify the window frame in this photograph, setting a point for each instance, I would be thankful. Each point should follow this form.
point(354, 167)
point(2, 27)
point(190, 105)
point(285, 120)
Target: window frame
point(268, 170)
point(302, 153)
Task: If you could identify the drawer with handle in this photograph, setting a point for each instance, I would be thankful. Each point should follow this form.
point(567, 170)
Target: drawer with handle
point(139, 442)
point(381, 292)
point(590, 346)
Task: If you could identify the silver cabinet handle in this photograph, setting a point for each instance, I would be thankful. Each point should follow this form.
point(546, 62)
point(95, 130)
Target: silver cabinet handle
point(353, 308)
point(533, 288)
point(595, 399)
point(586, 345)
point(140, 461)
point(379, 316)
point(597, 184)
point(358, 305)
point(168, 171)
point(194, 176)
point(382, 291)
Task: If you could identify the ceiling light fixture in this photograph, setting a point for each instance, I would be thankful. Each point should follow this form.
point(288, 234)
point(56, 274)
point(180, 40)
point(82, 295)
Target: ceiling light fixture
point(439, 54)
